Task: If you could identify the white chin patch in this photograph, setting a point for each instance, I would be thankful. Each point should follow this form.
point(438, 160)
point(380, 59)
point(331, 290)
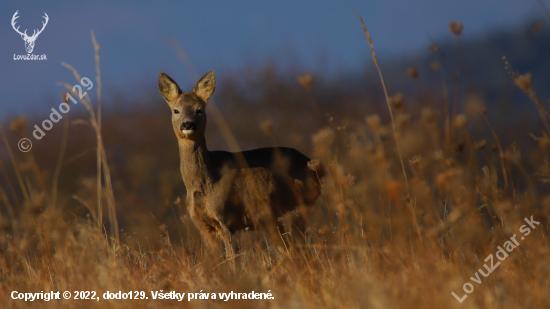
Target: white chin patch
point(187, 132)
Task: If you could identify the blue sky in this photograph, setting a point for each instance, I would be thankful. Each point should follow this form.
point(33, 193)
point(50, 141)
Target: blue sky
point(220, 36)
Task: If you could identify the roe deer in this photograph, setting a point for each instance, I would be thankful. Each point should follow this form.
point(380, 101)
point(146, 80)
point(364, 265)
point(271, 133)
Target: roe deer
point(223, 196)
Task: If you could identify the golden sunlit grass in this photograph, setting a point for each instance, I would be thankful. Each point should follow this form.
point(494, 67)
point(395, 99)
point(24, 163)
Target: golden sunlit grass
point(409, 211)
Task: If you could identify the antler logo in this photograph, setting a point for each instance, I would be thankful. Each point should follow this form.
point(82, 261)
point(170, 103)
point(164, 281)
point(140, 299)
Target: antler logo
point(29, 40)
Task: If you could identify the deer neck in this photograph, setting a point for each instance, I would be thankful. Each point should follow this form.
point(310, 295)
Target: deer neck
point(195, 165)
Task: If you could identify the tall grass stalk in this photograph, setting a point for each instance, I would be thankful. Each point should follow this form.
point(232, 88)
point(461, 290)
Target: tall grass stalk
point(395, 133)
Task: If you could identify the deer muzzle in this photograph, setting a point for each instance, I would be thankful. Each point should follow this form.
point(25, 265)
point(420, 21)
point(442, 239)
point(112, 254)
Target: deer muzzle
point(188, 127)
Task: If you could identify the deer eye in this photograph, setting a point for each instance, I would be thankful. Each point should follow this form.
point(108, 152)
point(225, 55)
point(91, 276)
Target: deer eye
point(199, 111)
point(176, 111)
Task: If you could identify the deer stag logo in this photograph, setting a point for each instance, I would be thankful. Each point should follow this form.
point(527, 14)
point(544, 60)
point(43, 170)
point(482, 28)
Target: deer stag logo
point(29, 40)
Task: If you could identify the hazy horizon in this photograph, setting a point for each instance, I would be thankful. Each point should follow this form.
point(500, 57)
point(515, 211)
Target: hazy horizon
point(223, 37)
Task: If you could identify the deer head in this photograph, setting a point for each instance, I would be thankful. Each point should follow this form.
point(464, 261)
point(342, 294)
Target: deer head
point(188, 117)
point(29, 40)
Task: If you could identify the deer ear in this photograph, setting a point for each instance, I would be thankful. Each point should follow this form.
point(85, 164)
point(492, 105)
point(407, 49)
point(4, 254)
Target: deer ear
point(205, 86)
point(168, 88)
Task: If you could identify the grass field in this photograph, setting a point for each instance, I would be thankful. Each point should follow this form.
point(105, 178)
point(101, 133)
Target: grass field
point(412, 207)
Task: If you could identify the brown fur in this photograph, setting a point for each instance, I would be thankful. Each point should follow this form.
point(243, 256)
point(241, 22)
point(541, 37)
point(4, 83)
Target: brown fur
point(223, 197)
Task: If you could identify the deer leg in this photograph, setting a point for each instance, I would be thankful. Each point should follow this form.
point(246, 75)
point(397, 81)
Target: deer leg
point(229, 251)
point(211, 240)
point(206, 227)
point(208, 233)
point(225, 235)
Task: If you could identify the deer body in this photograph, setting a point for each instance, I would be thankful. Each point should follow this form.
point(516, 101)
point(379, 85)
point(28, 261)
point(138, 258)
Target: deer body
point(228, 192)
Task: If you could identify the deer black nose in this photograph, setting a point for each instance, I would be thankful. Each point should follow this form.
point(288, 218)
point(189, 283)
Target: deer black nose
point(188, 126)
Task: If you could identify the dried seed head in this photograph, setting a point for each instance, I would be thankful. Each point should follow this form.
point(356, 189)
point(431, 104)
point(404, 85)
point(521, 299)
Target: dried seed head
point(36, 204)
point(456, 27)
point(460, 121)
point(433, 48)
point(314, 164)
point(393, 188)
point(416, 160)
point(544, 140)
point(438, 155)
point(480, 145)
point(474, 103)
point(486, 171)
point(267, 127)
point(450, 162)
point(177, 202)
point(513, 155)
point(306, 81)
point(349, 181)
point(324, 136)
point(524, 82)
point(79, 121)
point(323, 141)
point(18, 125)
point(64, 96)
point(373, 121)
point(397, 100)
point(413, 72)
point(427, 115)
point(536, 27)
point(402, 121)
point(434, 66)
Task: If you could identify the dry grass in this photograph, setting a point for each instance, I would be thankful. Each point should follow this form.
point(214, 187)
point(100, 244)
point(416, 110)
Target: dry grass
point(408, 214)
